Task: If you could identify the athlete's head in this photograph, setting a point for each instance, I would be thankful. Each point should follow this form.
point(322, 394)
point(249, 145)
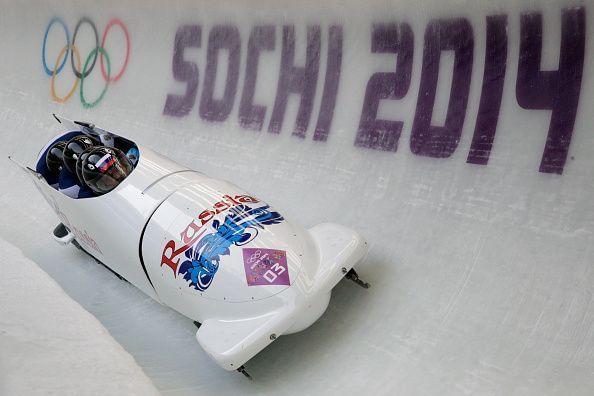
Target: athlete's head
point(54, 158)
point(79, 164)
point(74, 148)
point(104, 168)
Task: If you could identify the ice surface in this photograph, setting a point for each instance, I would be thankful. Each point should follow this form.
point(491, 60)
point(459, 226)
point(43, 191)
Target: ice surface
point(481, 274)
point(50, 345)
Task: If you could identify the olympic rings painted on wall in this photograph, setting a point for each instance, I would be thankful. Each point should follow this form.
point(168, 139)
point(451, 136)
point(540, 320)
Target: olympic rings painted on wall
point(49, 26)
point(53, 87)
point(110, 24)
point(83, 20)
point(85, 72)
point(97, 52)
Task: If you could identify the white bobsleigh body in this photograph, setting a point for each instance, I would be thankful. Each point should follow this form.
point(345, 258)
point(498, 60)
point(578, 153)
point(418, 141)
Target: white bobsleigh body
point(211, 251)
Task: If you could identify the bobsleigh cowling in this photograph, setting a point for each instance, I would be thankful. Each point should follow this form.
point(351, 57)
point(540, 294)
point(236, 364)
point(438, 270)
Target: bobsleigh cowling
point(209, 250)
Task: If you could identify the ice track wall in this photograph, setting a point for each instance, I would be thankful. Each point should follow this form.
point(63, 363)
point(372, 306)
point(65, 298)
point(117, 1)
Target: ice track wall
point(456, 136)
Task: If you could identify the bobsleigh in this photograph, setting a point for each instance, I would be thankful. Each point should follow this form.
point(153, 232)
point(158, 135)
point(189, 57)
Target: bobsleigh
point(202, 246)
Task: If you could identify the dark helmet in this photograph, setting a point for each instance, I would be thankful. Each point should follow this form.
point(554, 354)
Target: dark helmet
point(54, 157)
point(79, 164)
point(74, 149)
point(104, 168)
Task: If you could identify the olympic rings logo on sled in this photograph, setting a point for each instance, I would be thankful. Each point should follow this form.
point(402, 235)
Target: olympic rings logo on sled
point(97, 52)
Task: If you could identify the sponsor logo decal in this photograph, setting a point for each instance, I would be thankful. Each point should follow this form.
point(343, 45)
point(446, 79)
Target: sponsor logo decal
point(81, 235)
point(265, 267)
point(206, 239)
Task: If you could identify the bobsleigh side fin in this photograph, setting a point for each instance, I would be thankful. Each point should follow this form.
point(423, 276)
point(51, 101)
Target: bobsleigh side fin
point(231, 343)
point(82, 126)
point(66, 123)
point(26, 169)
point(72, 124)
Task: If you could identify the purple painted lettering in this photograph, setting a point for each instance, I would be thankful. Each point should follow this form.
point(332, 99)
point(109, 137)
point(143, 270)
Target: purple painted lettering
point(251, 116)
point(392, 39)
point(220, 37)
point(443, 35)
point(297, 80)
point(492, 92)
point(333, 67)
point(558, 90)
point(184, 71)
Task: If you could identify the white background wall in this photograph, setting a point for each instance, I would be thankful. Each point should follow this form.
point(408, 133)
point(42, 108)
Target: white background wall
point(481, 274)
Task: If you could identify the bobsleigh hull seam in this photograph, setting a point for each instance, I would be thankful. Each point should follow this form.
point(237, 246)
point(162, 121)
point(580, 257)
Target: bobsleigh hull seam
point(212, 252)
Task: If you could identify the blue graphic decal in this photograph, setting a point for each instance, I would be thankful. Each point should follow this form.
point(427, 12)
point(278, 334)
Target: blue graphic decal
point(239, 228)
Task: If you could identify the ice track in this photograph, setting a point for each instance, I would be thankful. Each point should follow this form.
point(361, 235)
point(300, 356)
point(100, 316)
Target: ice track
point(428, 126)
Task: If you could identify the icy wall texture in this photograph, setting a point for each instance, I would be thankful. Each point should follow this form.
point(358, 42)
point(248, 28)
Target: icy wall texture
point(454, 135)
point(50, 345)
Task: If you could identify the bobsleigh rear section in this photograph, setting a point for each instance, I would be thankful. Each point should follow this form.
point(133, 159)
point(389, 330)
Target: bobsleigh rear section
point(233, 263)
point(211, 251)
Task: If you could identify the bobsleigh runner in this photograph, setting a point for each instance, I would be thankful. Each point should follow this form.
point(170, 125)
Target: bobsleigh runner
point(202, 246)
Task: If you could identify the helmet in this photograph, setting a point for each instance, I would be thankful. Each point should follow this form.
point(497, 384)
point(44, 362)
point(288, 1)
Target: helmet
point(104, 168)
point(74, 149)
point(54, 157)
point(79, 164)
